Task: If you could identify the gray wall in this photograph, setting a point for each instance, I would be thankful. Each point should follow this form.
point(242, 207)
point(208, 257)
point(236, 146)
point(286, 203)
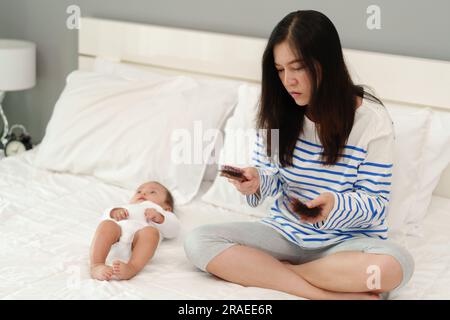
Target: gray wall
point(414, 28)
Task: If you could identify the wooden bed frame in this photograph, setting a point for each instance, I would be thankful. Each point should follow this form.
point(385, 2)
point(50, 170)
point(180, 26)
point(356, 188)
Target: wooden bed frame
point(404, 80)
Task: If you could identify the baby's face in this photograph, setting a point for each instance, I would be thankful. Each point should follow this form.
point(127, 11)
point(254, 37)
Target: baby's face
point(150, 191)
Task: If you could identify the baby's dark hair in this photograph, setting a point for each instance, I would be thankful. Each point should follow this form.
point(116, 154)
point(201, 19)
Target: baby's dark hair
point(169, 198)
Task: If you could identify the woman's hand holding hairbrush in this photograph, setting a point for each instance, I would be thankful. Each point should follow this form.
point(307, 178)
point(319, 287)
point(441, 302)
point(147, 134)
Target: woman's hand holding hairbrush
point(246, 180)
point(315, 210)
point(233, 173)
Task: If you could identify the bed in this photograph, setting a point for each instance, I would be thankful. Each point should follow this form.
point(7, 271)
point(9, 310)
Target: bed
point(48, 218)
point(45, 244)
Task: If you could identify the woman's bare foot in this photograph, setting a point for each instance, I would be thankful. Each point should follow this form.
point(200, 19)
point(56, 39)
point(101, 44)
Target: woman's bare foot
point(330, 295)
point(101, 272)
point(359, 296)
point(123, 271)
point(342, 295)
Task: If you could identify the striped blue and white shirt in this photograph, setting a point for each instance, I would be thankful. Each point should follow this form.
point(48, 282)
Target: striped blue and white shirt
point(360, 182)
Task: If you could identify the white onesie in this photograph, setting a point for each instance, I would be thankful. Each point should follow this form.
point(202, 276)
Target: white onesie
point(136, 220)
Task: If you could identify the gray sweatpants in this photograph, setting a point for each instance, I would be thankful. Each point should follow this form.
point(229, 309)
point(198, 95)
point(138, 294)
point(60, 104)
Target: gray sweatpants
point(206, 242)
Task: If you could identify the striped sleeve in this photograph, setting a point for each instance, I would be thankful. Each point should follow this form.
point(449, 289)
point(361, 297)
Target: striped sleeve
point(366, 205)
point(269, 175)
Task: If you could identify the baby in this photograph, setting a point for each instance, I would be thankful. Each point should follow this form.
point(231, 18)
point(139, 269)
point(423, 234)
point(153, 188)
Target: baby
point(139, 225)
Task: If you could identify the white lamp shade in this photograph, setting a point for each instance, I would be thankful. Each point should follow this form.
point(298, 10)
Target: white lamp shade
point(17, 65)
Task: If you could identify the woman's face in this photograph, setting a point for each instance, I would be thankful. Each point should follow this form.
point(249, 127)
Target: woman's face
point(292, 73)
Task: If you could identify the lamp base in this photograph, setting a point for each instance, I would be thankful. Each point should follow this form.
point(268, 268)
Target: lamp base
point(3, 139)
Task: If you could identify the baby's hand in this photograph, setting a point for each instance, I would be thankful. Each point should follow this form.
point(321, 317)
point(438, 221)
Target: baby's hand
point(154, 216)
point(119, 214)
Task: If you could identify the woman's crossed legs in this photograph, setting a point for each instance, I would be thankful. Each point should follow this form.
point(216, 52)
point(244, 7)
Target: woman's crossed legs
point(253, 254)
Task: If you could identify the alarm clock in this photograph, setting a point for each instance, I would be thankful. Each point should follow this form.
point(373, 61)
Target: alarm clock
point(17, 143)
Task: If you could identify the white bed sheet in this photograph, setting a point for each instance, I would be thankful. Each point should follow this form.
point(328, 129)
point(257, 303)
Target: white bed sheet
point(47, 221)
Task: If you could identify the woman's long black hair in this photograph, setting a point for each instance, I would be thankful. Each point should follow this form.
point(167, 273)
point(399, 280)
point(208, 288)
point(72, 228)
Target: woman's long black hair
point(315, 41)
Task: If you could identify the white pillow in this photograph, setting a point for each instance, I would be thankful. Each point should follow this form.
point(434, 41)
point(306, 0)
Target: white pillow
point(121, 131)
point(238, 152)
point(436, 157)
point(410, 127)
point(133, 73)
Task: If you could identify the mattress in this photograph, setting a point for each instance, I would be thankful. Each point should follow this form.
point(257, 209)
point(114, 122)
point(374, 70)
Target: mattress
point(47, 221)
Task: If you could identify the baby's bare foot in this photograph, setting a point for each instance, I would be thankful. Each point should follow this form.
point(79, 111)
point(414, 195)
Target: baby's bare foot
point(123, 271)
point(101, 272)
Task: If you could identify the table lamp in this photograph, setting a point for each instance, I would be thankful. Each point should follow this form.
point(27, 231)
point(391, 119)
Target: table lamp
point(17, 72)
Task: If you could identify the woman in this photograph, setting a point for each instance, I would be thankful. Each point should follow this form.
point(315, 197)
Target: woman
point(334, 153)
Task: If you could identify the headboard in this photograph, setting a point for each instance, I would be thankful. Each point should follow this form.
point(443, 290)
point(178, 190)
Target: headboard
point(183, 51)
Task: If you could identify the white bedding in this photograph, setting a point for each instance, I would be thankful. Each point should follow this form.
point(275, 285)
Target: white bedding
point(47, 221)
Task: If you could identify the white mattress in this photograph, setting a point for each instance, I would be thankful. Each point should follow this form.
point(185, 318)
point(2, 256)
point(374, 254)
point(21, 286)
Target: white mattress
point(47, 221)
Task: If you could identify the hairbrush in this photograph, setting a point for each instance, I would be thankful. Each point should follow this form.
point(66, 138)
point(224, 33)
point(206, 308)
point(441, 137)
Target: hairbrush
point(302, 210)
point(231, 172)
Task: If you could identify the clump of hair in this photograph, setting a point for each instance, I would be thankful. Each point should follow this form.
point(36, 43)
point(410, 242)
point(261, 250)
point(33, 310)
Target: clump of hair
point(302, 210)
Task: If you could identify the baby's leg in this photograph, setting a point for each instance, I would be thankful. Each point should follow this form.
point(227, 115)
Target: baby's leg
point(108, 233)
point(144, 246)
